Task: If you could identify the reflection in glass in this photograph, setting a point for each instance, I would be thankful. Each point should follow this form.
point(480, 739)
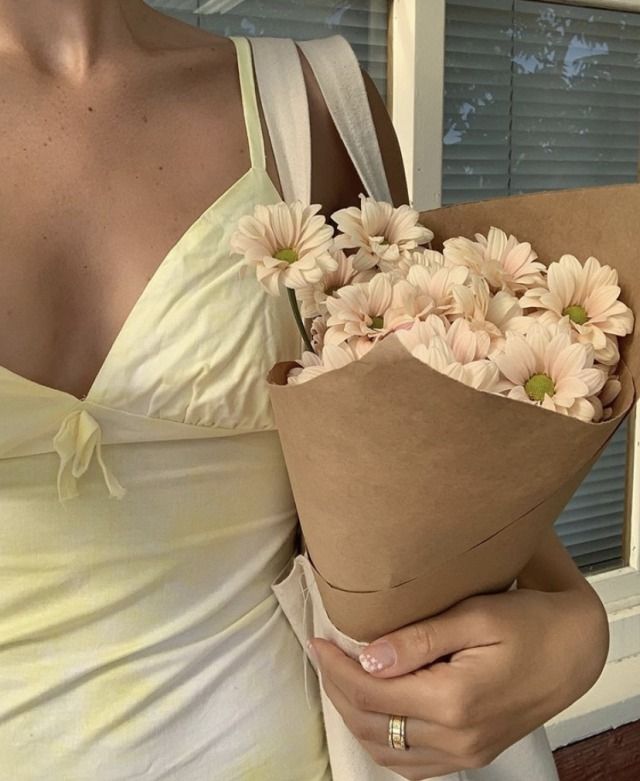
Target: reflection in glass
point(363, 23)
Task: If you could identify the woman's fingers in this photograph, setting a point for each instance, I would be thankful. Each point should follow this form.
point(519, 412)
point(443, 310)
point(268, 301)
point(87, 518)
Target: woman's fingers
point(371, 729)
point(366, 693)
point(450, 694)
point(433, 749)
point(466, 625)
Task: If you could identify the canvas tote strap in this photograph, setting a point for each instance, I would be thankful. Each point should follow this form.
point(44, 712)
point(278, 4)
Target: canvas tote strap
point(286, 109)
point(338, 73)
point(285, 105)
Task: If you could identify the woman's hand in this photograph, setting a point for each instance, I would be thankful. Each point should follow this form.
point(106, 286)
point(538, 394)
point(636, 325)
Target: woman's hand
point(513, 660)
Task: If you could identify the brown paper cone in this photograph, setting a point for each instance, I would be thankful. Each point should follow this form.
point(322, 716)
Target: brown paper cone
point(415, 491)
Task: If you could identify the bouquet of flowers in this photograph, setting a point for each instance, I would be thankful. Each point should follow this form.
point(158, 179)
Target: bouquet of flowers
point(464, 368)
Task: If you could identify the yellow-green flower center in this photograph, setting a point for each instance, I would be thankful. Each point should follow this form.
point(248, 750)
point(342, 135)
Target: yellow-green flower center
point(578, 314)
point(287, 254)
point(538, 385)
point(377, 322)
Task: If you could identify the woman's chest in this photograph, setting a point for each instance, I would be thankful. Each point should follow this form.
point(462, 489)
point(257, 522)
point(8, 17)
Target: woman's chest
point(200, 338)
point(96, 189)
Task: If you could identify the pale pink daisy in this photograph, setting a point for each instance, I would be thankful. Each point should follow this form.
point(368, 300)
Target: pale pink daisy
point(409, 303)
point(589, 296)
point(370, 309)
point(436, 283)
point(318, 330)
point(481, 375)
point(465, 343)
point(334, 356)
point(546, 368)
point(505, 263)
point(422, 256)
point(286, 242)
point(489, 315)
point(461, 339)
point(543, 317)
point(312, 298)
point(423, 332)
point(608, 356)
point(609, 393)
point(382, 234)
point(360, 345)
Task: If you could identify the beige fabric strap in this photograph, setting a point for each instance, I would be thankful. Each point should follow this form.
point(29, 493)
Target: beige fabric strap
point(338, 73)
point(283, 96)
point(285, 105)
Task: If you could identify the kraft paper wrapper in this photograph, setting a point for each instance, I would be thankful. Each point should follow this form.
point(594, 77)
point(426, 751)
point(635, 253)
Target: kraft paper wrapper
point(415, 491)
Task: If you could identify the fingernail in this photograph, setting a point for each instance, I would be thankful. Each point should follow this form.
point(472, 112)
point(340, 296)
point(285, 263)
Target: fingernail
point(378, 656)
point(312, 651)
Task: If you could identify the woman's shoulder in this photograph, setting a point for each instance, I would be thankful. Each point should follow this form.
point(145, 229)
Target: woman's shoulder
point(335, 181)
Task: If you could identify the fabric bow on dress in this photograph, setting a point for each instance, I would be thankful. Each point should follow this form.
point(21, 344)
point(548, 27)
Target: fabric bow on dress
point(78, 437)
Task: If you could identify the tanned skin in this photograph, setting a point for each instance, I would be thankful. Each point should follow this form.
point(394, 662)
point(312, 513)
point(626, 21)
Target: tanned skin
point(119, 127)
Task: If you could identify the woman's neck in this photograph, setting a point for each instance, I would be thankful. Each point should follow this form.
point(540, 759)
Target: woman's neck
point(67, 37)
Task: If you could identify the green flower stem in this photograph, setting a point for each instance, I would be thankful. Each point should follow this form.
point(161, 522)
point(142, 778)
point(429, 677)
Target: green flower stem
point(296, 314)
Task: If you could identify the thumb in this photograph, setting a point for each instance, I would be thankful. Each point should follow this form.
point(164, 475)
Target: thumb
point(424, 642)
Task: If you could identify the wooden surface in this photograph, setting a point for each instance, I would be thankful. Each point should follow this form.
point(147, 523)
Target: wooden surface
point(610, 756)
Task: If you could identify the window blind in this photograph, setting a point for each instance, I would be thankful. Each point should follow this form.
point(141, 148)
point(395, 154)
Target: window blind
point(541, 96)
point(364, 23)
point(576, 97)
point(477, 100)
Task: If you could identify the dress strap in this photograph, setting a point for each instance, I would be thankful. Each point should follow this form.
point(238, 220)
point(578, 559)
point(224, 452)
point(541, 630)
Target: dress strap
point(338, 74)
point(249, 102)
point(286, 110)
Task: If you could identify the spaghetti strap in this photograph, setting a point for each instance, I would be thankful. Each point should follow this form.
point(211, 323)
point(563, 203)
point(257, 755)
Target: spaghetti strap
point(249, 102)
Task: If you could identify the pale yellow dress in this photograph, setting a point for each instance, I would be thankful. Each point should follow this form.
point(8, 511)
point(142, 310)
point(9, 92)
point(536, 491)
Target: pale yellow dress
point(141, 529)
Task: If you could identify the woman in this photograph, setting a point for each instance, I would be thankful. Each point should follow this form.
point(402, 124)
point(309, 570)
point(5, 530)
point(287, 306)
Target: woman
point(144, 500)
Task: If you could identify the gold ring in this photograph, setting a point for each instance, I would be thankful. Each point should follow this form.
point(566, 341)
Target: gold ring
point(397, 729)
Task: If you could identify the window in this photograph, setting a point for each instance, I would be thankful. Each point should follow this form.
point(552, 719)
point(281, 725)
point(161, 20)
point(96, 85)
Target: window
point(363, 23)
point(537, 97)
point(494, 97)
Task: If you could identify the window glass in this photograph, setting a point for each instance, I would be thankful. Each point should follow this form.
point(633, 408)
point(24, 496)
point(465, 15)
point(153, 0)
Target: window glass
point(545, 96)
point(363, 23)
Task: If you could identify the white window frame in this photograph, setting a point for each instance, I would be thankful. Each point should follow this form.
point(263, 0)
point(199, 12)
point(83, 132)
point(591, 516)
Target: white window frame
point(416, 81)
